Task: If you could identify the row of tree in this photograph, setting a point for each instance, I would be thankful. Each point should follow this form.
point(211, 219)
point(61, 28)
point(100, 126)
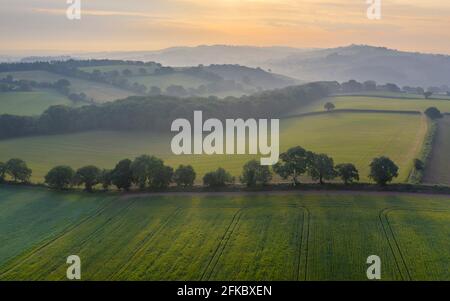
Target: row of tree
point(149, 172)
point(156, 113)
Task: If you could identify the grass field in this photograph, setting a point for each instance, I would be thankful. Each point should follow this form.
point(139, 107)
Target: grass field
point(376, 103)
point(30, 103)
point(350, 137)
point(438, 168)
point(223, 237)
point(98, 91)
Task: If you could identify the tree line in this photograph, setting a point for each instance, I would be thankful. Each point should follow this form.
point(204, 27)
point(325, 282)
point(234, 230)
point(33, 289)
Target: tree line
point(155, 113)
point(150, 173)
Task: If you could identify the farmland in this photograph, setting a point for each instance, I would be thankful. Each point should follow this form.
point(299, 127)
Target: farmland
point(288, 236)
point(438, 169)
point(30, 103)
point(97, 91)
point(350, 137)
point(377, 103)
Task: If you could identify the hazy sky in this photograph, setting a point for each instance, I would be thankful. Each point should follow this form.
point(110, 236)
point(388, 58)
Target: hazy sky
point(110, 25)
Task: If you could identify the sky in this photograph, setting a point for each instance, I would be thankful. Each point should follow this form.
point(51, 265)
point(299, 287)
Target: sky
point(41, 26)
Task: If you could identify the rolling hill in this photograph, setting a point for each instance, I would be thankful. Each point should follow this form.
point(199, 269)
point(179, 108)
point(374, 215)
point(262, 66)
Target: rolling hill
point(359, 62)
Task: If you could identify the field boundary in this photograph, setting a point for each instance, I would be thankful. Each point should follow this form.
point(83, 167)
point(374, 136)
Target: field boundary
point(337, 111)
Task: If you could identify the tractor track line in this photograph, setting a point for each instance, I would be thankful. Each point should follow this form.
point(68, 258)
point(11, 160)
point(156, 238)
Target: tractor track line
point(224, 240)
point(57, 237)
point(147, 239)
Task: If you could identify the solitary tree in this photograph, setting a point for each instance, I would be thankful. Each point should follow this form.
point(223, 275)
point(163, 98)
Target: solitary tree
point(292, 164)
point(254, 173)
point(320, 167)
point(347, 172)
point(60, 177)
point(427, 94)
point(184, 176)
point(89, 176)
point(122, 175)
point(383, 170)
point(329, 106)
point(18, 170)
point(433, 113)
point(218, 178)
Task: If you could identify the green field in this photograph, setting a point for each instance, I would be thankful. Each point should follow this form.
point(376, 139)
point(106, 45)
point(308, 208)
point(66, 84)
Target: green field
point(223, 237)
point(98, 91)
point(438, 168)
point(30, 103)
point(376, 103)
point(350, 137)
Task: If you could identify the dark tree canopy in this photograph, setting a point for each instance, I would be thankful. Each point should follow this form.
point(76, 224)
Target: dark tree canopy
point(292, 164)
point(60, 177)
point(184, 176)
point(218, 178)
point(122, 175)
point(347, 172)
point(320, 167)
point(89, 176)
point(433, 113)
point(383, 170)
point(329, 106)
point(254, 173)
point(18, 170)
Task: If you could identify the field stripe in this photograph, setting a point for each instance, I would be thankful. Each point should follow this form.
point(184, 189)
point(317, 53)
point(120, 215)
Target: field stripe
point(304, 246)
point(54, 239)
point(149, 237)
point(386, 216)
point(206, 275)
point(393, 245)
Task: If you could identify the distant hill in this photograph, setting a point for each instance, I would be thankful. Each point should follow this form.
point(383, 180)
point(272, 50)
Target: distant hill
point(357, 62)
point(367, 63)
point(205, 55)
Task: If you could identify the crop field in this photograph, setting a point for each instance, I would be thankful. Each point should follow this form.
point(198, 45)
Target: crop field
point(376, 103)
point(30, 103)
point(292, 236)
point(98, 91)
point(349, 137)
point(438, 168)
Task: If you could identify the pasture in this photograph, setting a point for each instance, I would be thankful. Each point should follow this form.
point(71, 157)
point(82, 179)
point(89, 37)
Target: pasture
point(376, 103)
point(292, 236)
point(438, 168)
point(349, 137)
point(30, 103)
point(98, 91)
